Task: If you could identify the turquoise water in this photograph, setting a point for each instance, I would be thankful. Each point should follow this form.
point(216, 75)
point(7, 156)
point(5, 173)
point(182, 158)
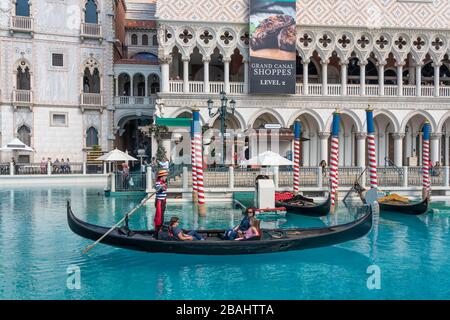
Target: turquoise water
point(37, 247)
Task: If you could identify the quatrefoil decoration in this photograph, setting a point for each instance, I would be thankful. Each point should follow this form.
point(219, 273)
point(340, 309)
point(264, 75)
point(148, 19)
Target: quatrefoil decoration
point(400, 43)
point(363, 41)
point(344, 41)
point(245, 38)
point(437, 43)
point(226, 37)
point(185, 36)
point(206, 36)
point(382, 42)
point(325, 41)
point(305, 40)
point(419, 43)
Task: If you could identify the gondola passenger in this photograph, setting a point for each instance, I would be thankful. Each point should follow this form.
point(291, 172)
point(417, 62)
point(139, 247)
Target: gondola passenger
point(252, 232)
point(161, 196)
point(232, 234)
point(179, 234)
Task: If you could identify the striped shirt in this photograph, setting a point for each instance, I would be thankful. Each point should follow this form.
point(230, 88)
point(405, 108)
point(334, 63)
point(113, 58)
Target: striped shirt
point(161, 188)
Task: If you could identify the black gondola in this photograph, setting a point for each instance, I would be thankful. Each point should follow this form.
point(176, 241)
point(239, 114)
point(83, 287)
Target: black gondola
point(275, 240)
point(411, 209)
point(306, 206)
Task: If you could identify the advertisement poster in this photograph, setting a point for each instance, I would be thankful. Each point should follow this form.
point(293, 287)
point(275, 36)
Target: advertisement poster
point(272, 46)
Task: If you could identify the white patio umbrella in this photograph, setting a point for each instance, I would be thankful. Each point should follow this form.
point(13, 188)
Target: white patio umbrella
point(16, 145)
point(268, 158)
point(116, 156)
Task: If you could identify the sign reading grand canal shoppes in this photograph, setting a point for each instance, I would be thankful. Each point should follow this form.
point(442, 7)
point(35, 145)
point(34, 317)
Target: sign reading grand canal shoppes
point(272, 46)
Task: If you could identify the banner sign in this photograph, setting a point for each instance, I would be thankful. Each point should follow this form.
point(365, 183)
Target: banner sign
point(272, 46)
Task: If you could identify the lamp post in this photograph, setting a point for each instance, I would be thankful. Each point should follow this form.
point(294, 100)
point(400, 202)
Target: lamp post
point(222, 111)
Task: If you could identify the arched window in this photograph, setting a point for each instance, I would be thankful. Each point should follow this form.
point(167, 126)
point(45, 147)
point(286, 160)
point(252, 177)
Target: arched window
point(91, 77)
point(145, 40)
point(22, 8)
point(155, 40)
point(91, 137)
point(24, 134)
point(134, 39)
point(23, 81)
point(91, 15)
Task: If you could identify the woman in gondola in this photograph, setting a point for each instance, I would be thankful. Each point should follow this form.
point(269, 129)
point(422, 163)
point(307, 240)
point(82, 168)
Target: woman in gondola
point(232, 234)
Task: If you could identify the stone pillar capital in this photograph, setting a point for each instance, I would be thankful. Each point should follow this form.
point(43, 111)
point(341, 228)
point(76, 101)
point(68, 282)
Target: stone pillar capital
point(323, 135)
point(361, 135)
point(398, 135)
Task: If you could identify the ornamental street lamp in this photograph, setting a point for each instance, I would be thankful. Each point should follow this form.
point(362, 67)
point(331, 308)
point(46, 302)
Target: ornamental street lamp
point(222, 112)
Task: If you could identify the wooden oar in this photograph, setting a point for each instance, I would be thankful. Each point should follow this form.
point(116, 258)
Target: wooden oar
point(129, 214)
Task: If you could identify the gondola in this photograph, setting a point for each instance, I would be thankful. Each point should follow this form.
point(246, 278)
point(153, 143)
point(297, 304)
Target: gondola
point(274, 240)
point(411, 209)
point(305, 206)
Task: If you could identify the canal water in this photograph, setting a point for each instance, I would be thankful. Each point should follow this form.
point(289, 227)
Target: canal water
point(404, 257)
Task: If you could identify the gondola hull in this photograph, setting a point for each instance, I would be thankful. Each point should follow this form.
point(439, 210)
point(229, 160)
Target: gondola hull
point(414, 209)
point(313, 210)
point(271, 241)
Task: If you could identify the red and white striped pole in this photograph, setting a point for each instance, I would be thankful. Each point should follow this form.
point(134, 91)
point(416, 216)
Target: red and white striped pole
point(297, 131)
point(371, 149)
point(334, 159)
point(426, 182)
point(194, 168)
point(199, 160)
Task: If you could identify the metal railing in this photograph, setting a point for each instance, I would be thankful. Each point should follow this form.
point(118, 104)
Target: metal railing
point(4, 169)
point(134, 181)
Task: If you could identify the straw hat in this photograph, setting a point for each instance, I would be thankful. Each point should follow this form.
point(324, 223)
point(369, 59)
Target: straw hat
point(163, 173)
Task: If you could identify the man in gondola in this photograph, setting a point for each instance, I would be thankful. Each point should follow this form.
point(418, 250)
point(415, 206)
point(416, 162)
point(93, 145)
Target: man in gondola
point(161, 196)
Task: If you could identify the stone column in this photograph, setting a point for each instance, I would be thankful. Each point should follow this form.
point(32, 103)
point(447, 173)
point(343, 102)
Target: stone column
point(400, 79)
point(306, 77)
point(361, 149)
point(323, 137)
point(398, 148)
point(437, 68)
point(362, 77)
point(324, 64)
point(434, 146)
point(146, 85)
point(381, 65)
point(246, 83)
point(206, 62)
point(226, 68)
point(186, 75)
point(447, 150)
point(344, 72)
point(165, 70)
point(419, 79)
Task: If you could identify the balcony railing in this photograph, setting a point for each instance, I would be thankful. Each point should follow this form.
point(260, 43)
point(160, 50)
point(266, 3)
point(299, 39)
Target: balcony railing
point(316, 89)
point(133, 101)
point(91, 100)
point(91, 30)
point(22, 24)
point(22, 97)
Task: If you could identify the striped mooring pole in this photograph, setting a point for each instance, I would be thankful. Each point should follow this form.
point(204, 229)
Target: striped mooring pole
point(371, 149)
point(297, 132)
point(199, 160)
point(334, 159)
point(426, 183)
point(194, 168)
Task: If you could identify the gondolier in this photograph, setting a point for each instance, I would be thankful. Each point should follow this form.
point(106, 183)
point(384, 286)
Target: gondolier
point(161, 196)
